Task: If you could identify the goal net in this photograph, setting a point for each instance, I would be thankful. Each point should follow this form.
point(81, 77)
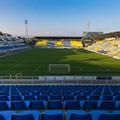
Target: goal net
point(59, 68)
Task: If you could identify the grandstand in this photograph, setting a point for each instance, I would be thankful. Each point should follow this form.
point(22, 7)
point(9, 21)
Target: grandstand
point(32, 87)
point(7, 39)
point(52, 71)
point(58, 42)
point(42, 43)
point(76, 102)
point(8, 43)
point(108, 46)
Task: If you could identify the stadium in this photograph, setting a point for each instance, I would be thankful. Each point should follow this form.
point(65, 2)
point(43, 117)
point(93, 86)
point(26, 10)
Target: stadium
point(57, 76)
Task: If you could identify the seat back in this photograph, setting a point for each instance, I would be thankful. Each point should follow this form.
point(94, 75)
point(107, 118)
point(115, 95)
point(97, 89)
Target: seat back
point(69, 97)
point(37, 105)
point(42, 97)
point(90, 105)
point(4, 98)
point(108, 105)
point(2, 117)
point(80, 117)
point(16, 98)
point(72, 104)
point(94, 97)
point(55, 97)
point(109, 117)
point(52, 117)
point(79, 97)
point(23, 117)
point(29, 97)
point(4, 106)
point(108, 97)
point(54, 104)
point(18, 105)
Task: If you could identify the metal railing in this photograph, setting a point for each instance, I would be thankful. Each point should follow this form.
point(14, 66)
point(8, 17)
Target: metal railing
point(58, 80)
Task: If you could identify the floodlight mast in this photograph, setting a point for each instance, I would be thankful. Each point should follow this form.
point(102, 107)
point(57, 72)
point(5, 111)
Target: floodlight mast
point(88, 26)
point(26, 24)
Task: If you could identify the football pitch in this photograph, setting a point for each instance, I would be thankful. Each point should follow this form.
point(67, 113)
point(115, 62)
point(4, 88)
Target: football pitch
point(35, 62)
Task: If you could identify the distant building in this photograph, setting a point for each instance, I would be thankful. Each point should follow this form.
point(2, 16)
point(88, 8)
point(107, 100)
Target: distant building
point(89, 35)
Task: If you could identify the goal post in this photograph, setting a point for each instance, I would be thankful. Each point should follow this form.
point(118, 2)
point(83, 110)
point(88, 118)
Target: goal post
point(59, 68)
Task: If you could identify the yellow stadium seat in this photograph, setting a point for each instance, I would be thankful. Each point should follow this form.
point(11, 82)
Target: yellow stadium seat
point(59, 43)
point(98, 48)
point(111, 46)
point(76, 43)
point(42, 43)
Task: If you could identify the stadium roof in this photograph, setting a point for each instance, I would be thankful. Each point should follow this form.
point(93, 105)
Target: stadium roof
point(56, 37)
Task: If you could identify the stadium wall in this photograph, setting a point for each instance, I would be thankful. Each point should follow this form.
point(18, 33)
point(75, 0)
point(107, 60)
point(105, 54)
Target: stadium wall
point(79, 78)
point(60, 80)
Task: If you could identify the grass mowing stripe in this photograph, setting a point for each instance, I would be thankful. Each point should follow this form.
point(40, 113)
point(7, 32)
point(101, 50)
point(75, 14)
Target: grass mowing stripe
point(35, 62)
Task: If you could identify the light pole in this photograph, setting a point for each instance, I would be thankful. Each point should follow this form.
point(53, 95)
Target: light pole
point(26, 25)
point(88, 26)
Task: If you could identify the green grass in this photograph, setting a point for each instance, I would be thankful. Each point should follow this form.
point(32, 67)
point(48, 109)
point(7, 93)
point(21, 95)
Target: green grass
point(35, 62)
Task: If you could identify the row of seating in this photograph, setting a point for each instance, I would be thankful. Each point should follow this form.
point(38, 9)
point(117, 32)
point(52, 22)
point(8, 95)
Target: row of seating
point(56, 104)
point(57, 97)
point(60, 115)
point(83, 90)
point(108, 47)
point(59, 102)
point(59, 43)
point(9, 48)
point(64, 90)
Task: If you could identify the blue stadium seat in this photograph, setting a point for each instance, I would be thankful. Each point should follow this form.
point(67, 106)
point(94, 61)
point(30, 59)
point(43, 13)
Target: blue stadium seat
point(4, 106)
point(2, 117)
point(4, 98)
point(35, 113)
point(52, 117)
point(80, 117)
point(55, 104)
point(94, 97)
point(23, 117)
point(42, 97)
point(29, 97)
point(117, 98)
point(37, 105)
point(109, 117)
point(72, 104)
point(18, 105)
point(107, 98)
point(107, 105)
point(90, 105)
point(16, 98)
point(69, 97)
point(79, 97)
point(55, 97)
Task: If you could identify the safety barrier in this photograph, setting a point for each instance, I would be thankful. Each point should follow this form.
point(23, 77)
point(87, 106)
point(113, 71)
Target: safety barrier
point(60, 80)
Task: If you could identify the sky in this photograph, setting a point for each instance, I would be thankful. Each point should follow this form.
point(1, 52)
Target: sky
point(59, 17)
